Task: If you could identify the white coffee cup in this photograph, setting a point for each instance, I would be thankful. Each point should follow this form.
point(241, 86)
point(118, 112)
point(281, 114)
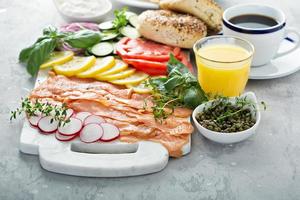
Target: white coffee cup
point(266, 41)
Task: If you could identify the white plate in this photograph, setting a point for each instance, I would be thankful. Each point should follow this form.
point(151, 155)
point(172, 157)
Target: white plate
point(139, 4)
point(279, 67)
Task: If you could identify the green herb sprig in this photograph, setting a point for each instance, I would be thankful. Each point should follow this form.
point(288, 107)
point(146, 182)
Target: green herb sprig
point(179, 89)
point(30, 108)
point(241, 103)
point(120, 18)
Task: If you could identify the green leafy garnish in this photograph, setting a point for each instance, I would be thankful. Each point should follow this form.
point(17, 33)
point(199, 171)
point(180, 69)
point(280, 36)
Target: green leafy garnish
point(83, 39)
point(39, 54)
point(30, 108)
point(36, 54)
point(120, 18)
point(179, 89)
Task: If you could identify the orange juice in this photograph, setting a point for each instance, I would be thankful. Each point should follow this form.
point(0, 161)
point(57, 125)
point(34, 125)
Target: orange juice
point(223, 69)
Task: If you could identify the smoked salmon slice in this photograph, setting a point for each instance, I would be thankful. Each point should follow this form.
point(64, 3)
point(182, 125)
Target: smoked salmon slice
point(130, 112)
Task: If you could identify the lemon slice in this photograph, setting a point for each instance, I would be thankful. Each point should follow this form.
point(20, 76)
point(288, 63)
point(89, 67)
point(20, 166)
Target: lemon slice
point(101, 65)
point(120, 75)
point(140, 88)
point(77, 65)
point(118, 67)
point(58, 58)
point(135, 78)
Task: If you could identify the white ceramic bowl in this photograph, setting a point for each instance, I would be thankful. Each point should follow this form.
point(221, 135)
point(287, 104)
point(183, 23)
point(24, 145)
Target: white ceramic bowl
point(143, 4)
point(227, 138)
point(97, 18)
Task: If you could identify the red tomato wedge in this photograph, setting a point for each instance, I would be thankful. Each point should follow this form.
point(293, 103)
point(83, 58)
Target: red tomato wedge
point(149, 67)
point(145, 49)
point(148, 56)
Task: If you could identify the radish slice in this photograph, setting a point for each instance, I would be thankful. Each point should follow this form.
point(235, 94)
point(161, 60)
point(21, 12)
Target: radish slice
point(34, 120)
point(82, 115)
point(71, 128)
point(70, 112)
point(46, 126)
point(64, 138)
point(93, 119)
point(91, 133)
point(111, 132)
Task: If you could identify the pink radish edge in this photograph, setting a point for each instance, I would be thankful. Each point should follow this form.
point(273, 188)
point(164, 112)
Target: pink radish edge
point(70, 113)
point(93, 119)
point(64, 138)
point(70, 129)
point(110, 132)
point(45, 126)
point(82, 115)
point(34, 120)
point(90, 129)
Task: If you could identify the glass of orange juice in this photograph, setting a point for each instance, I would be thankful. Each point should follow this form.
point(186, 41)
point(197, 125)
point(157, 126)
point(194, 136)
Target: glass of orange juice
point(223, 64)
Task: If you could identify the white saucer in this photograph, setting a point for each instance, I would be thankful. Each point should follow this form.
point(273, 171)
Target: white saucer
point(145, 4)
point(279, 67)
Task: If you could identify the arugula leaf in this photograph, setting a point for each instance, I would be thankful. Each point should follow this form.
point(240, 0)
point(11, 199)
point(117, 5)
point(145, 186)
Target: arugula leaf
point(83, 38)
point(39, 54)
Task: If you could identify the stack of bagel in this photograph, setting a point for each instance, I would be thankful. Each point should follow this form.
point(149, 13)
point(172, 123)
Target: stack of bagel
point(181, 22)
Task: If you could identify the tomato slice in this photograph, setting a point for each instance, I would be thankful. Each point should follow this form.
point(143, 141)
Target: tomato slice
point(149, 57)
point(145, 49)
point(149, 67)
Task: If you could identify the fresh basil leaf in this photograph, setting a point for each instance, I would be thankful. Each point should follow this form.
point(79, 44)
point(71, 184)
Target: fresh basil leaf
point(83, 39)
point(39, 54)
point(24, 54)
point(50, 31)
point(193, 97)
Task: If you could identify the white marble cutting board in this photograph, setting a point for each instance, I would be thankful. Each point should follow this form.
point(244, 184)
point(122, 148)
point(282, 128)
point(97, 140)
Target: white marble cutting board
point(113, 159)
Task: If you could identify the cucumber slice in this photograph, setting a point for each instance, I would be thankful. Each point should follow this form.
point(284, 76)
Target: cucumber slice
point(108, 35)
point(133, 20)
point(114, 44)
point(130, 32)
point(102, 49)
point(128, 14)
point(106, 25)
point(120, 37)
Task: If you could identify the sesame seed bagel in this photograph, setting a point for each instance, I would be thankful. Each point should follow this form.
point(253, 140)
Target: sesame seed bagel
point(206, 10)
point(171, 28)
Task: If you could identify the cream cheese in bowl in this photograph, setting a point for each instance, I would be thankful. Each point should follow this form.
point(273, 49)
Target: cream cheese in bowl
point(83, 10)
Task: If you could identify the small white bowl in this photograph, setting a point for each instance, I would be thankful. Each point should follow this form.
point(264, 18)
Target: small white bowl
point(97, 18)
point(227, 138)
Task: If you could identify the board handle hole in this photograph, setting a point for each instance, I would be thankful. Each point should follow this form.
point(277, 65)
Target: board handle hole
point(102, 148)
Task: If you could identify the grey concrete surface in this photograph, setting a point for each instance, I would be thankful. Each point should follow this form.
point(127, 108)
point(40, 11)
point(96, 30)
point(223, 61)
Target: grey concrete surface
point(265, 167)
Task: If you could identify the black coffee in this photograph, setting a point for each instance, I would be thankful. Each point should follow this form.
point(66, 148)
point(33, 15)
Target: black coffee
point(253, 21)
